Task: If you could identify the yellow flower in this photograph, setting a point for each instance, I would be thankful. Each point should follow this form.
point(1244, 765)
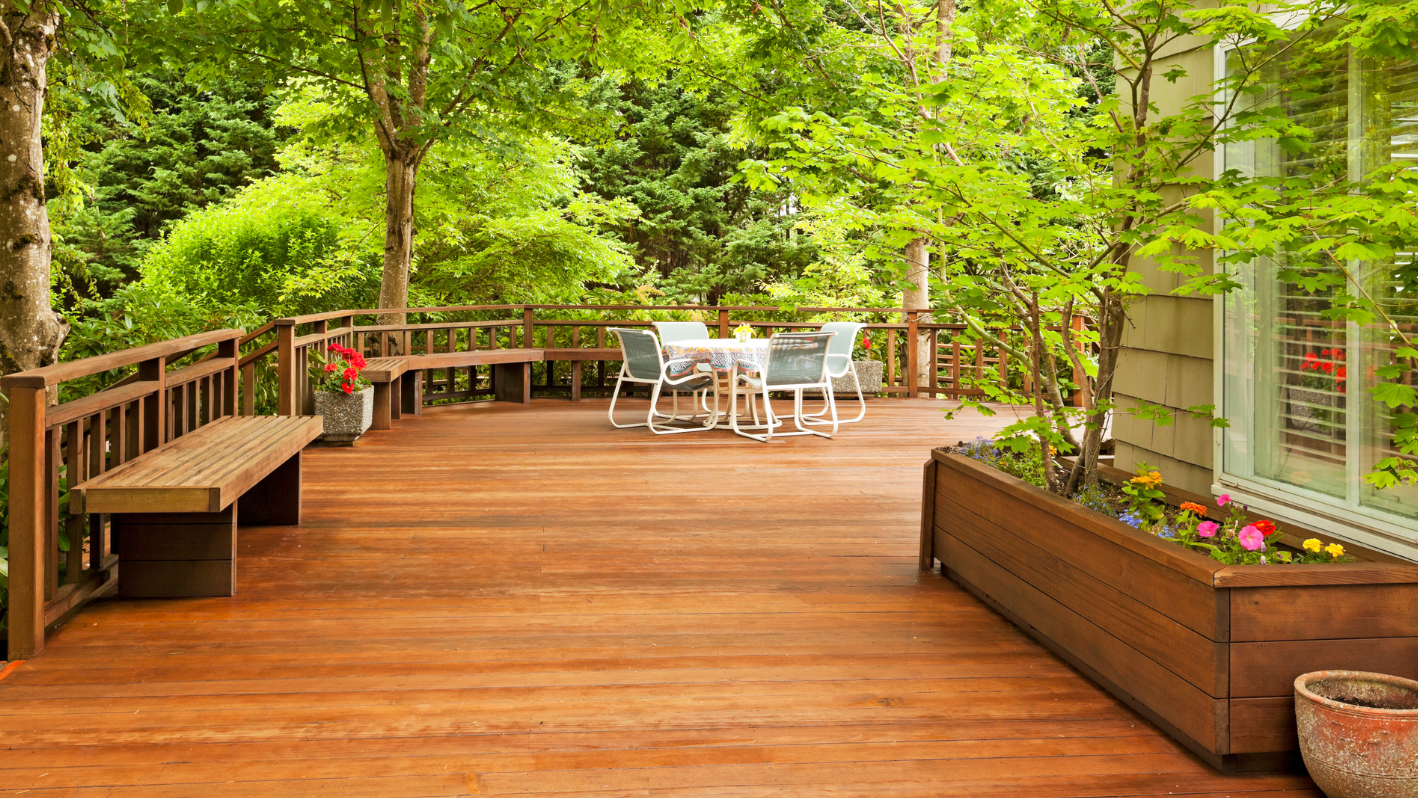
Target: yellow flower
point(1151, 480)
point(1314, 545)
point(1334, 550)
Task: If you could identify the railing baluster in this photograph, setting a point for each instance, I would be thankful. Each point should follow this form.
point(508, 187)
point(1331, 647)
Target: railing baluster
point(73, 561)
point(892, 354)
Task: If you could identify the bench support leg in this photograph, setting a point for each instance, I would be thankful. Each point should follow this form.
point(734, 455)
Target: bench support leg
point(411, 392)
point(275, 500)
point(576, 381)
point(177, 555)
point(512, 382)
point(383, 407)
point(396, 398)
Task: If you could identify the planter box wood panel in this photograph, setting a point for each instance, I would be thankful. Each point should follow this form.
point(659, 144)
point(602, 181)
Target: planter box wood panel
point(1206, 651)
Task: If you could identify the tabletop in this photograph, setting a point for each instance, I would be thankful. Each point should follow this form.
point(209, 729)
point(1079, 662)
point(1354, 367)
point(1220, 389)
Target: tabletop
point(719, 353)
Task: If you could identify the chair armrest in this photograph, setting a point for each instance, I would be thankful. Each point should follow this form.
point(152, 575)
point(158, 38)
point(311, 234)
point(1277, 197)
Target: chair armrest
point(679, 364)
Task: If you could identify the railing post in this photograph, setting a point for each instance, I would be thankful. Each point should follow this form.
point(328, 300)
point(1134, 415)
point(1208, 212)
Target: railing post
point(230, 349)
point(528, 340)
point(285, 367)
point(27, 521)
point(154, 413)
point(912, 355)
point(723, 323)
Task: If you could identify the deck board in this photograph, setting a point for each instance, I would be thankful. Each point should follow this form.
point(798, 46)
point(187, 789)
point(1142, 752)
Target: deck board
point(501, 599)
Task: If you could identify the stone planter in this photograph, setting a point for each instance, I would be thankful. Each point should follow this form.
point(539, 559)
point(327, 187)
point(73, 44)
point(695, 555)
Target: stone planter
point(347, 416)
point(869, 373)
point(1359, 733)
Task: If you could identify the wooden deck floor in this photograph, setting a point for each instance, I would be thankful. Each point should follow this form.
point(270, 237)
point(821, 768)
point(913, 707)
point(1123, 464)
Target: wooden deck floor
point(498, 600)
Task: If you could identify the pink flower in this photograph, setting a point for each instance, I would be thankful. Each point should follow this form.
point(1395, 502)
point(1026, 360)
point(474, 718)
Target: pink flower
point(1223, 500)
point(1251, 538)
point(1207, 529)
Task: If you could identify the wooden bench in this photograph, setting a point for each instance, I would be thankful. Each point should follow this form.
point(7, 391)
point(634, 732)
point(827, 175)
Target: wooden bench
point(511, 373)
point(386, 374)
point(175, 509)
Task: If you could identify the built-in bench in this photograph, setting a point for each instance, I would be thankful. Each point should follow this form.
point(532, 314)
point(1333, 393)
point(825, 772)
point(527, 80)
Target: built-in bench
point(175, 509)
point(511, 373)
point(386, 375)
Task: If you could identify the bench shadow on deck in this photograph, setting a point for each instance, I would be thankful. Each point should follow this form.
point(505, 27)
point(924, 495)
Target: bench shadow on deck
point(493, 599)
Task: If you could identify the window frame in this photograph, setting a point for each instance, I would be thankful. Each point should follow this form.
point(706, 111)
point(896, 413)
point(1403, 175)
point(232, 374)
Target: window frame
point(1355, 522)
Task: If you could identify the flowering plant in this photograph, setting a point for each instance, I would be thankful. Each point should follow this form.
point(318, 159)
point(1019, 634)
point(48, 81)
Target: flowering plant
point(343, 373)
point(743, 332)
point(1328, 368)
point(1145, 499)
point(1234, 541)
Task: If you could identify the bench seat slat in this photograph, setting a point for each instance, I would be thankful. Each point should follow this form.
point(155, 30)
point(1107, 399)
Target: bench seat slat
point(221, 435)
point(218, 462)
point(144, 468)
point(384, 369)
point(203, 471)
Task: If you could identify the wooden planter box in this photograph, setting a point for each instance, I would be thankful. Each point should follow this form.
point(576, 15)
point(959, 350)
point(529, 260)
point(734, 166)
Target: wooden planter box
point(1208, 652)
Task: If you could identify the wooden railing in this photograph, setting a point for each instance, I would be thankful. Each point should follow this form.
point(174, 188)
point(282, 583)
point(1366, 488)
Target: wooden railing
point(53, 447)
point(961, 360)
point(59, 559)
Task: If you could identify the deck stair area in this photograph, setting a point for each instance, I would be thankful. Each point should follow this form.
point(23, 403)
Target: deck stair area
point(499, 598)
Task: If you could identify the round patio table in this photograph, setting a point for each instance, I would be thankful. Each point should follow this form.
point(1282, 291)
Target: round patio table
point(719, 353)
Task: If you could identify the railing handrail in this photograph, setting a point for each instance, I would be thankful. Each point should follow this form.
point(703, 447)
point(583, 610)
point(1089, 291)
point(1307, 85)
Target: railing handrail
point(88, 366)
point(336, 314)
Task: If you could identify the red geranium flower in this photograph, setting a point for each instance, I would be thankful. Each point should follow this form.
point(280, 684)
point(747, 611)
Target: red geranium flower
point(351, 374)
point(347, 387)
point(329, 367)
point(1266, 528)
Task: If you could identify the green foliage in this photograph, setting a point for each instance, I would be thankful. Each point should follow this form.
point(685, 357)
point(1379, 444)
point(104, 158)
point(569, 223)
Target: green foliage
point(193, 147)
point(699, 231)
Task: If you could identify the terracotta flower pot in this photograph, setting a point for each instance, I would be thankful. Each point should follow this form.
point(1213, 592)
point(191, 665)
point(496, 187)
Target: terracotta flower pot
point(1359, 733)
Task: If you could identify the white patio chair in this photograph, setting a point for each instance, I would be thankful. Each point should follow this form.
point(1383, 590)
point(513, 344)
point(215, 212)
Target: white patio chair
point(796, 362)
point(672, 331)
point(840, 364)
point(642, 363)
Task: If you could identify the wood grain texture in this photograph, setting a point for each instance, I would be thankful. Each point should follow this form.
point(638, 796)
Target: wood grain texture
point(204, 470)
point(1310, 612)
point(1193, 656)
point(1257, 674)
point(497, 599)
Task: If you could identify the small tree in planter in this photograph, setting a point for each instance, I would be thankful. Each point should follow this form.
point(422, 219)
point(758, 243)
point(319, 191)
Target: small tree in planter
point(342, 395)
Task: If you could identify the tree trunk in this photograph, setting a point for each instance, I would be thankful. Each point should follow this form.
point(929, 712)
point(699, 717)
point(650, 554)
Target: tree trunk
point(30, 330)
point(400, 176)
point(918, 273)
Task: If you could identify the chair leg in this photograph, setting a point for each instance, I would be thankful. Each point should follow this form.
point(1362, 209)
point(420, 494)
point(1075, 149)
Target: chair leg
point(619, 381)
point(818, 418)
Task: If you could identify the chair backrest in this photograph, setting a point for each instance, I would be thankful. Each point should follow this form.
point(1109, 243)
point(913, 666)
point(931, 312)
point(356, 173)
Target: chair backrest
point(798, 358)
point(845, 339)
point(642, 354)
point(671, 331)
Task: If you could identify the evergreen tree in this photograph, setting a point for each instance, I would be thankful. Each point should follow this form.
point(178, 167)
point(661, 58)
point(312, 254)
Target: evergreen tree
point(699, 233)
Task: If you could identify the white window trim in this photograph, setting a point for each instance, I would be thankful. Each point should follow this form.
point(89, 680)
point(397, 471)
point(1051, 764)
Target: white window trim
point(1287, 503)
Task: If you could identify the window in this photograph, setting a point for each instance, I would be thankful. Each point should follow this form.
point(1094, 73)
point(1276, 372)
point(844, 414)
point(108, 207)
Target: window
point(1295, 384)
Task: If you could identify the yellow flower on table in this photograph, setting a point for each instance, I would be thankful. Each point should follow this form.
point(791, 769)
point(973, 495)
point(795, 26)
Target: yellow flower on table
point(1334, 550)
point(1314, 545)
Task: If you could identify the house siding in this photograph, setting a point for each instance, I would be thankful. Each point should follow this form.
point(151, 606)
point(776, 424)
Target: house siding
point(1167, 352)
